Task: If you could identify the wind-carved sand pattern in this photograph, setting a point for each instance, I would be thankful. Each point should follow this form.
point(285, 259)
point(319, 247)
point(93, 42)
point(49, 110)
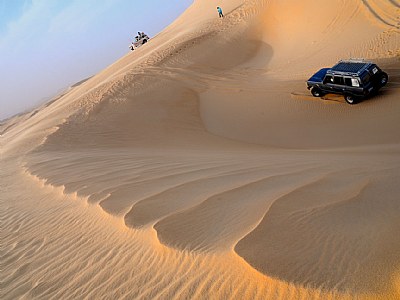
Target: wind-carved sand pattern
point(195, 168)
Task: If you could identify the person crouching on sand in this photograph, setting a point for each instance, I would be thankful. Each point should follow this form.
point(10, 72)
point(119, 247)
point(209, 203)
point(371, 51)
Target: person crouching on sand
point(221, 15)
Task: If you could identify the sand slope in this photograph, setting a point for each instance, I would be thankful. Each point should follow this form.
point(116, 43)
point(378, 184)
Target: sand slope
point(200, 167)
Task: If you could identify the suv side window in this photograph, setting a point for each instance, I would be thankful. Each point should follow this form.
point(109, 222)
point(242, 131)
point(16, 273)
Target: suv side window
point(351, 82)
point(328, 79)
point(338, 80)
point(347, 81)
point(366, 77)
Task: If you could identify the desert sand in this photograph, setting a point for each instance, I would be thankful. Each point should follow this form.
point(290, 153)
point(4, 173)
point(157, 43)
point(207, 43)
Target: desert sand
point(200, 167)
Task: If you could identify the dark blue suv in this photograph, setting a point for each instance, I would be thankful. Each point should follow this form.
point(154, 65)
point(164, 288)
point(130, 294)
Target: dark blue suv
point(354, 79)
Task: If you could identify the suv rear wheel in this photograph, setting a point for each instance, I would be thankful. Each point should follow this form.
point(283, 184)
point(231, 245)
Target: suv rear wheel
point(316, 92)
point(350, 99)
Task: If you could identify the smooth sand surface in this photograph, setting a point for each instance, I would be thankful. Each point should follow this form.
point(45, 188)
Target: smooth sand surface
point(200, 166)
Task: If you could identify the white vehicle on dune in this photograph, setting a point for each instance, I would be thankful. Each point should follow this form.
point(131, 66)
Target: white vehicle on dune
point(140, 40)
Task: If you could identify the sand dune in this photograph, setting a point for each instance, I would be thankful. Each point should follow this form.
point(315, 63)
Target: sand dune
point(200, 167)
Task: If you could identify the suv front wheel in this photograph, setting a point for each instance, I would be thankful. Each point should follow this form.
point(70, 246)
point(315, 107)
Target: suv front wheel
point(316, 92)
point(350, 99)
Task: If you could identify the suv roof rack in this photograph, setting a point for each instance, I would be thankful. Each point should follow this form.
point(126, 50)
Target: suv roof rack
point(351, 66)
point(355, 60)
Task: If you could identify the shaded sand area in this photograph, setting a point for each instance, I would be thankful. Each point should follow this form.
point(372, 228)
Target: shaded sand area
point(199, 167)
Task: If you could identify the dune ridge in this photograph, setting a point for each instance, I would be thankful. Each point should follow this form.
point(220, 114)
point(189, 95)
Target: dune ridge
point(197, 166)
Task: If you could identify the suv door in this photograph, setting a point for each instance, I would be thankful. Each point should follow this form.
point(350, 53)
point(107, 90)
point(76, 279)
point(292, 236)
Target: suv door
point(352, 86)
point(338, 85)
point(327, 83)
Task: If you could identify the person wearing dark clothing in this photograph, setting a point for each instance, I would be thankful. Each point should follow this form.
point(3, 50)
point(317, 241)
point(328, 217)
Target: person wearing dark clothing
point(219, 9)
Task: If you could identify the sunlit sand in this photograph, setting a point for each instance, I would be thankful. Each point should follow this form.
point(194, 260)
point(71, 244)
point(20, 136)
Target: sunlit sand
point(195, 167)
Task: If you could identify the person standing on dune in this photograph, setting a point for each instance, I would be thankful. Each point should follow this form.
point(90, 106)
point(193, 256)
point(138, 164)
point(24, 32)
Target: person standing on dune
point(221, 15)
